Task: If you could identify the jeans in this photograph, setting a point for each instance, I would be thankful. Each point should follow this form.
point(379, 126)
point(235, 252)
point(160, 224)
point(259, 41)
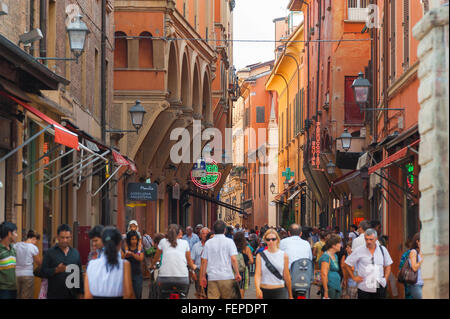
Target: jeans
point(137, 285)
point(415, 291)
point(8, 294)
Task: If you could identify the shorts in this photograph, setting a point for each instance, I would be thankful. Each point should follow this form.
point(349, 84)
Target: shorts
point(223, 289)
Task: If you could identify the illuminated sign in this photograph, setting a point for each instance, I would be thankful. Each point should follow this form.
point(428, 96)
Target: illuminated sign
point(410, 175)
point(212, 177)
point(315, 161)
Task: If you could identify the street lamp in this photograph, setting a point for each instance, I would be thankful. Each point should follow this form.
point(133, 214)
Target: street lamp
point(346, 140)
point(272, 188)
point(137, 113)
point(77, 31)
point(361, 88)
point(331, 167)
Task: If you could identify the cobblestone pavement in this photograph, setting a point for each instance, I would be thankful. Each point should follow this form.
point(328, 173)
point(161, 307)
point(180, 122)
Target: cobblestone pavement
point(249, 294)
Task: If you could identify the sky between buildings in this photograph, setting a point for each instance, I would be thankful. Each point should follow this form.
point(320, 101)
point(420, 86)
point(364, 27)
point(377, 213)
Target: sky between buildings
point(253, 19)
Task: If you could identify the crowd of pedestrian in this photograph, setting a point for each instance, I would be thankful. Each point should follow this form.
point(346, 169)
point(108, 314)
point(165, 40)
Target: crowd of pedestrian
point(222, 262)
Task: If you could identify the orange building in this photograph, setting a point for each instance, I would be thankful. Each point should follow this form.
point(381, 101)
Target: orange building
point(393, 71)
point(336, 50)
point(258, 104)
point(169, 55)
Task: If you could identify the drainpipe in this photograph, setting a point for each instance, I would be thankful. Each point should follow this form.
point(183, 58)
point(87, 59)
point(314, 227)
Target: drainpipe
point(104, 192)
point(43, 26)
point(31, 26)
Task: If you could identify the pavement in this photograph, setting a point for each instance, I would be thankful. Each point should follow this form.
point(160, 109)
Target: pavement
point(249, 294)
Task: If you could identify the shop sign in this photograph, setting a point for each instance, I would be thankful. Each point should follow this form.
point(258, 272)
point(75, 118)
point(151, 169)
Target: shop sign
point(315, 149)
point(210, 178)
point(142, 191)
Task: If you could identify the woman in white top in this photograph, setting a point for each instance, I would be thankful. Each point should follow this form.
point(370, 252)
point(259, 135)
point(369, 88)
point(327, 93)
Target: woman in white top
point(27, 255)
point(109, 277)
point(268, 285)
point(176, 258)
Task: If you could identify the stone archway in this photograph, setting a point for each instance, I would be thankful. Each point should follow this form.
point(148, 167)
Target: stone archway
point(185, 82)
point(196, 95)
point(172, 74)
point(206, 100)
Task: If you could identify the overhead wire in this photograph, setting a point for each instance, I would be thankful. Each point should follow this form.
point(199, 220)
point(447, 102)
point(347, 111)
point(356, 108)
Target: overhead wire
point(95, 25)
point(237, 40)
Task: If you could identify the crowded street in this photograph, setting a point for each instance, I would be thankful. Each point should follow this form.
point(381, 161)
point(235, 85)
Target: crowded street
point(225, 150)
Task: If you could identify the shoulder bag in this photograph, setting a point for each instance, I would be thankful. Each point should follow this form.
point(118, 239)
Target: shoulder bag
point(271, 267)
point(407, 275)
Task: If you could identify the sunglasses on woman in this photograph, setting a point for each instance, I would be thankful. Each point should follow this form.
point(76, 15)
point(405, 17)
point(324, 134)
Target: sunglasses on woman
point(271, 239)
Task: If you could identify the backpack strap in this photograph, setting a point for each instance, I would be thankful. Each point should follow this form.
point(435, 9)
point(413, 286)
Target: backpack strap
point(271, 267)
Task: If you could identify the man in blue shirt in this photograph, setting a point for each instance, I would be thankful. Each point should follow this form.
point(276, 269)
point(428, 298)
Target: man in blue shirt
point(190, 237)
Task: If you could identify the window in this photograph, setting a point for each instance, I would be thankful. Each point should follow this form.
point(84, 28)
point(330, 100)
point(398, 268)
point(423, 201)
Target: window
point(247, 117)
point(357, 10)
point(260, 110)
point(353, 114)
point(121, 50)
point(145, 51)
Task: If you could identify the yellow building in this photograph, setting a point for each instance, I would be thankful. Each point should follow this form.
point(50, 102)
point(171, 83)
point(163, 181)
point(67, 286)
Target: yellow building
point(288, 80)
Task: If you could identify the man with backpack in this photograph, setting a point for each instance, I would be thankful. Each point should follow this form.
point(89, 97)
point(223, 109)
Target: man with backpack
point(296, 247)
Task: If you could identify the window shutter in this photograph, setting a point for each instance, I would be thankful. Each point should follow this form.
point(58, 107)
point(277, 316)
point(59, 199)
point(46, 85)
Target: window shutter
point(392, 40)
point(405, 34)
point(260, 114)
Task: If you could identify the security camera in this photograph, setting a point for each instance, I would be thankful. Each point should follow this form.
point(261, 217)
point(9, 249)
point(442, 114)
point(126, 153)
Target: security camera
point(30, 37)
point(3, 9)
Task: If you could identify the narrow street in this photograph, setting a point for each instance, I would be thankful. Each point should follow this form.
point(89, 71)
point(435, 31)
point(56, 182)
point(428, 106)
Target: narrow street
point(170, 132)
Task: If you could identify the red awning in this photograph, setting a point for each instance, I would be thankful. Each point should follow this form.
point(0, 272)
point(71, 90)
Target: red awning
point(62, 135)
point(394, 157)
point(345, 178)
point(119, 159)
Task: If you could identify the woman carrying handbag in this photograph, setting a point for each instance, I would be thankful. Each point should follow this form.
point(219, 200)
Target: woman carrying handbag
point(411, 273)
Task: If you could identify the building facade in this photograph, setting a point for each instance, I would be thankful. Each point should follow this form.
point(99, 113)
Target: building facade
point(174, 57)
point(433, 52)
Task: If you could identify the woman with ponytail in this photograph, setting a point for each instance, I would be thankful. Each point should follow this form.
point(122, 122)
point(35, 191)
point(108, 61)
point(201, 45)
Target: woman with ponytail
point(176, 259)
point(109, 276)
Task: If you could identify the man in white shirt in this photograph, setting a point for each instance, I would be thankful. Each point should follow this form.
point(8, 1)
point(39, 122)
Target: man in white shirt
point(218, 261)
point(353, 234)
point(373, 265)
point(294, 246)
point(360, 241)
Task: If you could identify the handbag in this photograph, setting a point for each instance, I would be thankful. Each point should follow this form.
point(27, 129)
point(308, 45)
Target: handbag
point(407, 275)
